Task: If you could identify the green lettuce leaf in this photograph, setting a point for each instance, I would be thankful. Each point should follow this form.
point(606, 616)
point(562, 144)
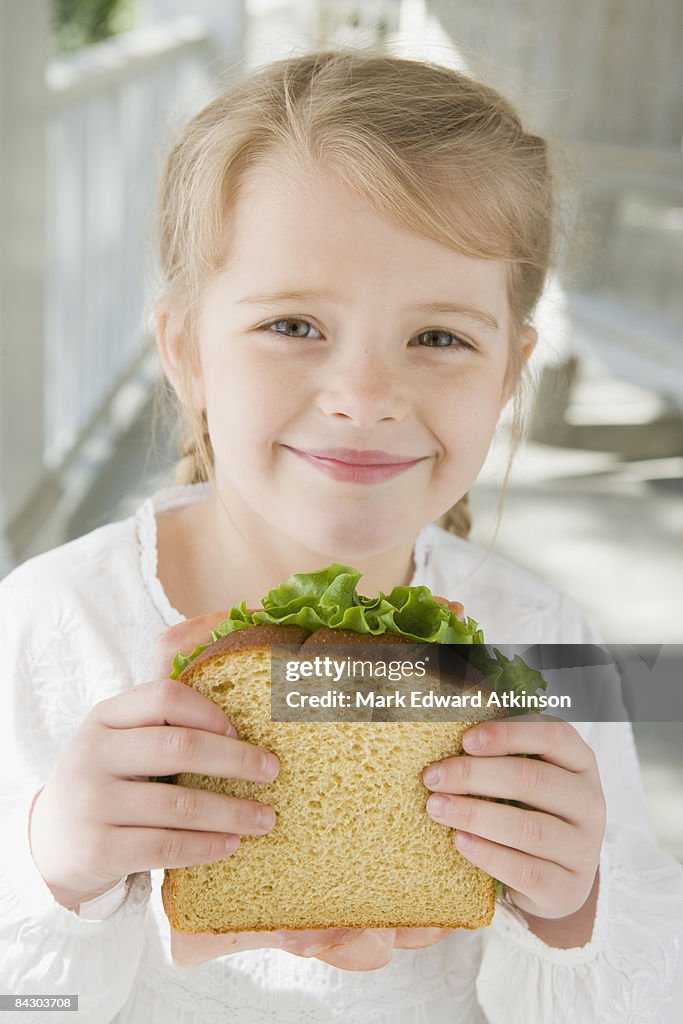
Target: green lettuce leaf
point(328, 598)
point(508, 675)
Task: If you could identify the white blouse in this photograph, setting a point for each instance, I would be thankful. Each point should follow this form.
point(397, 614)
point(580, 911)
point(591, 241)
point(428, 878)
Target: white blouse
point(78, 625)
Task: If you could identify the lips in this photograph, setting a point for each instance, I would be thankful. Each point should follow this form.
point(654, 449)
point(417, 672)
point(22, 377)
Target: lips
point(363, 457)
point(367, 472)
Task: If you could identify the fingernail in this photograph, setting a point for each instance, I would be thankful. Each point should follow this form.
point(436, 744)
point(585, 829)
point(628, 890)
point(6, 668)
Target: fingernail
point(270, 766)
point(266, 817)
point(473, 739)
point(436, 805)
point(231, 730)
point(433, 774)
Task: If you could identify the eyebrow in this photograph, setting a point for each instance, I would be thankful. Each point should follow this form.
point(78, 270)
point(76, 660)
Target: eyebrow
point(485, 319)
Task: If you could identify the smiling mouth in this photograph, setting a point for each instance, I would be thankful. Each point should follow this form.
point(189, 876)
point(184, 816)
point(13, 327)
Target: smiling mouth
point(356, 472)
point(354, 457)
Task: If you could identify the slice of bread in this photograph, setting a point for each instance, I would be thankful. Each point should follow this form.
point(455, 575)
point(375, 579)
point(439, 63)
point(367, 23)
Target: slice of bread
point(353, 845)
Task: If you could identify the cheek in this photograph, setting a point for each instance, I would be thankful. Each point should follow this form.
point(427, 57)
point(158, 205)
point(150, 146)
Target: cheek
point(247, 395)
point(464, 426)
point(465, 413)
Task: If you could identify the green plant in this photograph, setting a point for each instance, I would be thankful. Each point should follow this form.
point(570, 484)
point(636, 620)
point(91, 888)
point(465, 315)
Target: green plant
point(79, 23)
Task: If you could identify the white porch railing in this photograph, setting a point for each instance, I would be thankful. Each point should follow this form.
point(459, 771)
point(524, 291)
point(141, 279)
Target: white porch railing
point(110, 108)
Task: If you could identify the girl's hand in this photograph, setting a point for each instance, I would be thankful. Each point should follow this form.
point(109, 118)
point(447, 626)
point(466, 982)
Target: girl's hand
point(99, 818)
point(547, 851)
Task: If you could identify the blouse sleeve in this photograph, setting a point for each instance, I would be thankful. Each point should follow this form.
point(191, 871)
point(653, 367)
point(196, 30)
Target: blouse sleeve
point(630, 970)
point(45, 948)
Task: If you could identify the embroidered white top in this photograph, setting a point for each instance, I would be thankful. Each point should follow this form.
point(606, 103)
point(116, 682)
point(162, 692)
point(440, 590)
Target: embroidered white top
point(78, 625)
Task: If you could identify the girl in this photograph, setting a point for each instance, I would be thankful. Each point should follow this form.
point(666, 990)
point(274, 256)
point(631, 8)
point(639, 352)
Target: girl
point(353, 246)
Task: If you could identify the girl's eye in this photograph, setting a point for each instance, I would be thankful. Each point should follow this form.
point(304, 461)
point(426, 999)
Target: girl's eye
point(289, 321)
point(438, 338)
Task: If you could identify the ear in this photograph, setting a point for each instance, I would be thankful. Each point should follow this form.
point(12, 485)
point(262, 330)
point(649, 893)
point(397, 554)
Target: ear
point(171, 338)
point(527, 342)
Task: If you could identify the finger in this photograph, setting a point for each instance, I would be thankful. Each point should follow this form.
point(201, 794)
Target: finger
point(533, 877)
point(456, 607)
point(535, 784)
point(169, 750)
point(532, 832)
point(553, 739)
point(419, 938)
point(162, 702)
point(371, 950)
point(183, 637)
point(142, 849)
point(156, 805)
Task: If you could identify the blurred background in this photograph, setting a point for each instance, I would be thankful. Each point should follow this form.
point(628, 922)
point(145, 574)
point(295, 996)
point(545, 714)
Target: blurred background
point(91, 90)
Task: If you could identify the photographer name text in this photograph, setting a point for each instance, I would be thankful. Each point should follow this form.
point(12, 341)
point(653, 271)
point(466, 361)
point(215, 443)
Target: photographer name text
point(424, 699)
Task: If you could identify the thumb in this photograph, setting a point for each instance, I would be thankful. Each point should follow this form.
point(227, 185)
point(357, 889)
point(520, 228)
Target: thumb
point(183, 637)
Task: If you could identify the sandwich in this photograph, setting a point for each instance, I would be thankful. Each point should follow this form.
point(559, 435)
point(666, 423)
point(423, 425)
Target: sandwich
point(353, 845)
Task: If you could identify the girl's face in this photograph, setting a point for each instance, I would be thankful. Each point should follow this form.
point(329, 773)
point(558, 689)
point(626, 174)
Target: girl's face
point(362, 357)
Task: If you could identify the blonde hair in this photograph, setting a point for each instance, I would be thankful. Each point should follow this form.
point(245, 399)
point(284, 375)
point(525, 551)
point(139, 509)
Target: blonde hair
point(442, 154)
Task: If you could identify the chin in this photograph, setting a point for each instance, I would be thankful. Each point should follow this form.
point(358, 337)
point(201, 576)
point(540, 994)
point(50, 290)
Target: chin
point(348, 541)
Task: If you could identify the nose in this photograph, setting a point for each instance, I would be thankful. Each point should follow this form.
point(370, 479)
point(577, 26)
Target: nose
point(364, 387)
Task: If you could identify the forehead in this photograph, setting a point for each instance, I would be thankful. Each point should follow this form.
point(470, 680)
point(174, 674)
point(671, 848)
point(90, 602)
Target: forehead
point(312, 229)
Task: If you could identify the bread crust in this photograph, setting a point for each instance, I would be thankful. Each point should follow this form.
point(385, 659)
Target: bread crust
point(251, 638)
